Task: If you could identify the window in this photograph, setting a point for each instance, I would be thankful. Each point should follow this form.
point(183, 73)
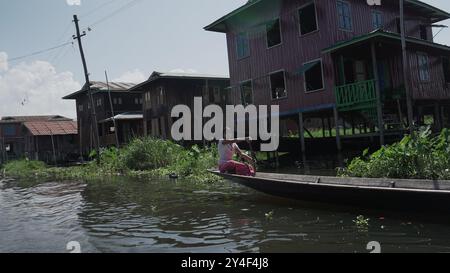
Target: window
point(446, 66)
point(344, 15)
point(278, 85)
point(273, 33)
point(117, 100)
point(424, 69)
point(242, 45)
point(247, 93)
point(147, 96)
point(377, 19)
point(307, 19)
point(423, 32)
point(314, 76)
point(160, 96)
point(9, 130)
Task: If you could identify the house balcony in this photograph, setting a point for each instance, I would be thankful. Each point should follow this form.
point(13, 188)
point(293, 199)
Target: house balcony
point(356, 96)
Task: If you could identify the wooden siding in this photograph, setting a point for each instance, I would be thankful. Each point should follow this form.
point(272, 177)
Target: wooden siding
point(157, 117)
point(296, 50)
point(84, 118)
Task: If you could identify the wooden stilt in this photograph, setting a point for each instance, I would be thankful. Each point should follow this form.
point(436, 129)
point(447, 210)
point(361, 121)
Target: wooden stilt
point(343, 125)
point(323, 127)
point(301, 132)
point(437, 117)
point(338, 137)
point(330, 129)
point(353, 125)
point(54, 152)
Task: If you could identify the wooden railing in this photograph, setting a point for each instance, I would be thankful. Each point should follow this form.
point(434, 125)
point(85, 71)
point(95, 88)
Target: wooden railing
point(355, 96)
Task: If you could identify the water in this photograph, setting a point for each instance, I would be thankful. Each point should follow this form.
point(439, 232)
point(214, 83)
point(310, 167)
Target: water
point(168, 216)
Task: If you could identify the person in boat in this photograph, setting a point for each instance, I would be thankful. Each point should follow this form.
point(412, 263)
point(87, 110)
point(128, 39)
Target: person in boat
point(228, 147)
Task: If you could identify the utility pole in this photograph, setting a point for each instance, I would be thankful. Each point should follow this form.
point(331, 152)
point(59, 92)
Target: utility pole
point(112, 112)
point(88, 86)
point(406, 69)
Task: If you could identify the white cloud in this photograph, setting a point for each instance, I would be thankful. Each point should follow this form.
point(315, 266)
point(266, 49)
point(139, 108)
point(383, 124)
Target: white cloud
point(133, 76)
point(3, 61)
point(36, 88)
point(73, 2)
point(180, 70)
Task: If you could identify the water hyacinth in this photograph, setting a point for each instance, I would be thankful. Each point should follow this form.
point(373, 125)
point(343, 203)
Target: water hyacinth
point(421, 157)
point(142, 158)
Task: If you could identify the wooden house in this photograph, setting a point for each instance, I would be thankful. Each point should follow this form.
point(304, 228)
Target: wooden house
point(109, 100)
point(47, 138)
point(162, 91)
point(328, 60)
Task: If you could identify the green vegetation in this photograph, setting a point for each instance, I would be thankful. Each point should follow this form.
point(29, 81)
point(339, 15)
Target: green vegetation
point(142, 158)
point(421, 157)
point(361, 221)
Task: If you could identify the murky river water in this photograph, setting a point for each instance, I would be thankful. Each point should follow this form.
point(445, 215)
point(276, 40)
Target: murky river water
point(170, 216)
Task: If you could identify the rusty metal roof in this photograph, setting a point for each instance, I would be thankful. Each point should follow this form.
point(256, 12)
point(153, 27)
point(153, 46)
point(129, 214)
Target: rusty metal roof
point(20, 119)
point(48, 128)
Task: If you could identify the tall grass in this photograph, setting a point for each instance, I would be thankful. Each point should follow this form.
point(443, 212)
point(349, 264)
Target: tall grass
point(422, 157)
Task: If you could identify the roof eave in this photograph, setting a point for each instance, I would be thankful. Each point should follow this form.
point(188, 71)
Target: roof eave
point(220, 25)
point(380, 33)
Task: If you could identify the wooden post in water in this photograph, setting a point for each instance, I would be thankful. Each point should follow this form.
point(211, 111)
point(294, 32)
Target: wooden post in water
point(338, 136)
point(53, 147)
point(437, 117)
point(301, 132)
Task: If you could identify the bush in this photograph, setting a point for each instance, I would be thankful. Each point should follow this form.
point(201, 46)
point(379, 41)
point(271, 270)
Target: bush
point(421, 157)
point(141, 158)
point(149, 153)
point(24, 167)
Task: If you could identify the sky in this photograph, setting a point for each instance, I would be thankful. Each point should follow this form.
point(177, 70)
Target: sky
point(128, 38)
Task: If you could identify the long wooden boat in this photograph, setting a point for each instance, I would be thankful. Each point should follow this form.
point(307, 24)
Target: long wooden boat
point(418, 195)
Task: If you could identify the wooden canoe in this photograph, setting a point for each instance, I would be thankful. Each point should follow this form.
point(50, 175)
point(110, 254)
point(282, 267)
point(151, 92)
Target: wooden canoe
point(418, 195)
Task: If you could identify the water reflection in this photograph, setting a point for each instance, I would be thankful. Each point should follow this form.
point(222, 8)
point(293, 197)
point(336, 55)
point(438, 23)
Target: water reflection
point(175, 216)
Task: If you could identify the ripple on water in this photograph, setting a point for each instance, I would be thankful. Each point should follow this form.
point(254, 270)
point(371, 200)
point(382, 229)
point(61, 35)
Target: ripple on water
point(159, 216)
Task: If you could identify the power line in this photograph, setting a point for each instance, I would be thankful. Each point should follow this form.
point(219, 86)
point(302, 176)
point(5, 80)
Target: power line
point(89, 13)
point(38, 52)
point(115, 12)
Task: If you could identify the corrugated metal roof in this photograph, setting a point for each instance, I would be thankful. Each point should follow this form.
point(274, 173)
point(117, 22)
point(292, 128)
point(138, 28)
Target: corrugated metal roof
point(100, 86)
point(114, 86)
point(125, 116)
point(48, 128)
point(16, 119)
point(188, 75)
point(173, 75)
